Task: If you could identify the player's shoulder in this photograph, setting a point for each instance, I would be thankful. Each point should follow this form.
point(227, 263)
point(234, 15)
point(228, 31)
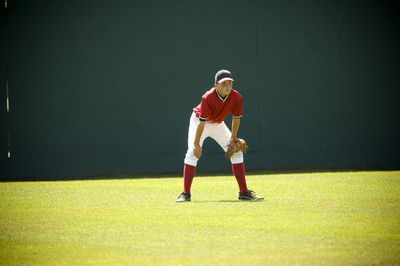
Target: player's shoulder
point(209, 93)
point(235, 94)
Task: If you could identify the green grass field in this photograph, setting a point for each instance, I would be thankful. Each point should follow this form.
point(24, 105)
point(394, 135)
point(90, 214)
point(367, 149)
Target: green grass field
point(343, 218)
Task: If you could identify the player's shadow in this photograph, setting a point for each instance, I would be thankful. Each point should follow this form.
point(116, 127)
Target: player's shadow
point(229, 201)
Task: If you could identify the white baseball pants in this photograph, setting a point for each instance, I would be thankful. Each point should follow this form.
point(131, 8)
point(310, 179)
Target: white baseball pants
point(218, 131)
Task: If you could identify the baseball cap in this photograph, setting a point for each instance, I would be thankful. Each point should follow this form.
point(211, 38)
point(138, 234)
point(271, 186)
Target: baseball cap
point(223, 75)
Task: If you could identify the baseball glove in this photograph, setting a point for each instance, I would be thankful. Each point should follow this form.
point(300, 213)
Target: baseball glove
point(235, 146)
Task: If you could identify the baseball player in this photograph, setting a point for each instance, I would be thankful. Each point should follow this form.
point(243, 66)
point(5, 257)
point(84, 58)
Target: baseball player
point(207, 120)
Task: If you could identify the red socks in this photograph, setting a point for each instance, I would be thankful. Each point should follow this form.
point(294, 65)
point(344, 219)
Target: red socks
point(188, 173)
point(238, 171)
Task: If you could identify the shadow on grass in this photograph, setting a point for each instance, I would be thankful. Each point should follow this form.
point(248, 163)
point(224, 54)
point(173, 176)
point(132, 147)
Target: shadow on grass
point(200, 174)
point(229, 201)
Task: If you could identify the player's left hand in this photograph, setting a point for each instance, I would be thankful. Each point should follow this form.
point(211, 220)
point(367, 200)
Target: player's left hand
point(236, 145)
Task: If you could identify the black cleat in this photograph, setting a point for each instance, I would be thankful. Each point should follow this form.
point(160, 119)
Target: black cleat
point(183, 197)
point(249, 195)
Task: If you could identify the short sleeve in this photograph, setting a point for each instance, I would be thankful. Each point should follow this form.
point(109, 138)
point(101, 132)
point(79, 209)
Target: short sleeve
point(205, 109)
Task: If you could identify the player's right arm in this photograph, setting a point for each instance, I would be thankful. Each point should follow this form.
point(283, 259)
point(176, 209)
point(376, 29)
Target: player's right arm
point(197, 150)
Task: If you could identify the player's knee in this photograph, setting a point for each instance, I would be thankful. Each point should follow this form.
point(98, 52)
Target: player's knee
point(237, 157)
point(191, 159)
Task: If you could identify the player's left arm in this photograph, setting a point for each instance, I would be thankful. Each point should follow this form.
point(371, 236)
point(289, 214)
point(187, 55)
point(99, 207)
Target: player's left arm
point(237, 113)
point(235, 127)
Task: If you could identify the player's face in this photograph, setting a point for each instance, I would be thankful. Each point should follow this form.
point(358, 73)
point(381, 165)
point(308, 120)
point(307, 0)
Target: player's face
point(225, 87)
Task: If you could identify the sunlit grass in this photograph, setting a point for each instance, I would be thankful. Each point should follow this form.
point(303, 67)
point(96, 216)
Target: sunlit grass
point(347, 218)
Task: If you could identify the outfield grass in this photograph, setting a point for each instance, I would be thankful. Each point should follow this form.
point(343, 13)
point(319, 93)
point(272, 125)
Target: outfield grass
point(346, 218)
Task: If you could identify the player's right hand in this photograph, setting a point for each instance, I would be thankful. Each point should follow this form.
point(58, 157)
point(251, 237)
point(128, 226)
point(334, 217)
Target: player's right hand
point(197, 150)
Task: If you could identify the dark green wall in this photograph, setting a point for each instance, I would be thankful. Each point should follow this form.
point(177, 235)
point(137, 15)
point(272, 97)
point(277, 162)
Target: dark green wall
point(100, 87)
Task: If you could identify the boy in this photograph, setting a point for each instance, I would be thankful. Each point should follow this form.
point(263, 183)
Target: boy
point(207, 120)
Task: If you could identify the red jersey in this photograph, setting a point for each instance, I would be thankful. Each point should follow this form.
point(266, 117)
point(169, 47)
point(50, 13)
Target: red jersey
point(215, 108)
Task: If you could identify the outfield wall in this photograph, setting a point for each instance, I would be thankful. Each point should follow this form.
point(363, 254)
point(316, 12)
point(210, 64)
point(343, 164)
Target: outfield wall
point(107, 87)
